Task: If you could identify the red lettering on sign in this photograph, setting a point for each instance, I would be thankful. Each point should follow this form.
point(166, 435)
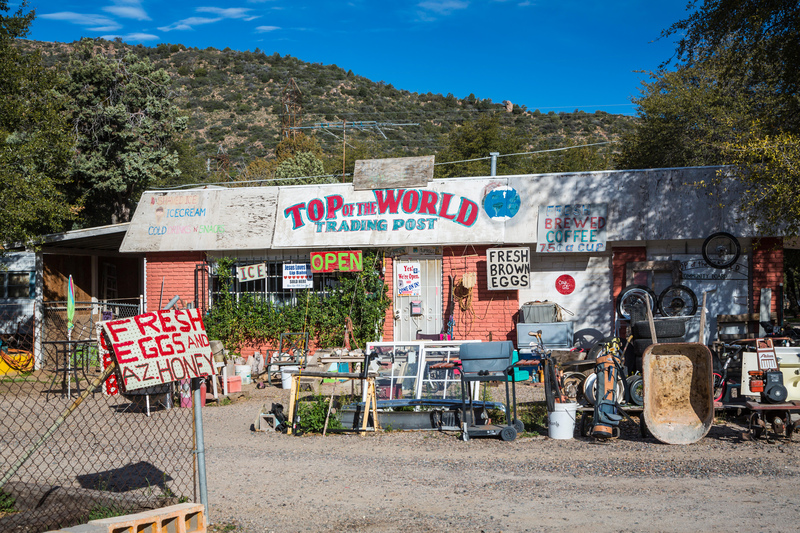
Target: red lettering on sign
point(389, 202)
point(120, 352)
point(445, 204)
point(294, 212)
point(196, 319)
point(185, 326)
point(148, 353)
point(146, 321)
point(164, 349)
point(165, 317)
point(115, 327)
point(176, 340)
point(335, 202)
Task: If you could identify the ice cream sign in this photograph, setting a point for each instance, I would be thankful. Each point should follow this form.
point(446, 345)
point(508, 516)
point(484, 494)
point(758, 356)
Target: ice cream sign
point(572, 228)
point(390, 210)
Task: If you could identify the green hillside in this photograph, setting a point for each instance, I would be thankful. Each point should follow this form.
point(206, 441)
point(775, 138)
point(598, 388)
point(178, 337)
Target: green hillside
point(234, 101)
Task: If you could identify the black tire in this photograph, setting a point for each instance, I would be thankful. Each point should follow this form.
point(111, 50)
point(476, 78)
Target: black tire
point(518, 425)
point(636, 389)
point(508, 434)
point(586, 424)
point(664, 328)
point(552, 390)
point(677, 300)
point(721, 250)
point(632, 295)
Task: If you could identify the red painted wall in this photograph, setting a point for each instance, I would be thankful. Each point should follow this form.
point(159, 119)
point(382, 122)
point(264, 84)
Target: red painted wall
point(388, 279)
point(176, 269)
point(766, 271)
point(490, 315)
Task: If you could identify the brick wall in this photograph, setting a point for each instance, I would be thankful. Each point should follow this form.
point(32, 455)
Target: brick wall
point(388, 278)
point(176, 269)
point(767, 271)
point(621, 257)
point(490, 315)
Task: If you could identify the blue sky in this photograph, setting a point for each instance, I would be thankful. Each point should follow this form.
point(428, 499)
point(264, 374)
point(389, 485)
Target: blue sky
point(558, 55)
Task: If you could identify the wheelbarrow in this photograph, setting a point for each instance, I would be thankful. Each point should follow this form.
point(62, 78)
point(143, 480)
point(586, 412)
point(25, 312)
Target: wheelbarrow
point(678, 391)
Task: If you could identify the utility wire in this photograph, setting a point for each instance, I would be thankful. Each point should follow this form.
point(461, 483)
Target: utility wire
point(522, 153)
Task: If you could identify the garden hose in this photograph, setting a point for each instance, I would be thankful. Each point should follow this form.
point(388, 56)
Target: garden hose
point(19, 360)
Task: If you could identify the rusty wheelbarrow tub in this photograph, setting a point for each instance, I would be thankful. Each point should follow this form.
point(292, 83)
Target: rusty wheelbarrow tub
point(678, 391)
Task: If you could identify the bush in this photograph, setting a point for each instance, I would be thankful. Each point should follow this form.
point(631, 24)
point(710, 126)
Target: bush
point(311, 415)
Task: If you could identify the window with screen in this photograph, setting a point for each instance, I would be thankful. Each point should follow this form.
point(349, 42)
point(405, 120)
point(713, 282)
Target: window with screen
point(17, 285)
point(272, 287)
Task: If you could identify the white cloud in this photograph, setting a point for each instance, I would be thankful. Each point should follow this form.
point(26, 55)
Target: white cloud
point(189, 24)
point(265, 29)
point(132, 37)
point(443, 7)
point(228, 13)
point(97, 22)
point(129, 9)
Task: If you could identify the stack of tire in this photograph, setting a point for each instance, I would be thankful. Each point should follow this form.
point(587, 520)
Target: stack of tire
point(667, 330)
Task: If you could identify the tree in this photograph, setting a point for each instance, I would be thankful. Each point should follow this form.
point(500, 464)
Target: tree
point(731, 99)
point(303, 165)
point(476, 140)
point(126, 127)
point(34, 138)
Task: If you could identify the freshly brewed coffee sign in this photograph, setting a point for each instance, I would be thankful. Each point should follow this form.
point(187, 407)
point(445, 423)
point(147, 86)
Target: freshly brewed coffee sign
point(572, 228)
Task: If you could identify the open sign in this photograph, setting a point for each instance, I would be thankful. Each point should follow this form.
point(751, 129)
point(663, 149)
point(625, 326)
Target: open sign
point(347, 261)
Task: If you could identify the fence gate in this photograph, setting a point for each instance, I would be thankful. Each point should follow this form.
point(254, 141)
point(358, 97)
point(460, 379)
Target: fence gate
point(108, 457)
point(417, 297)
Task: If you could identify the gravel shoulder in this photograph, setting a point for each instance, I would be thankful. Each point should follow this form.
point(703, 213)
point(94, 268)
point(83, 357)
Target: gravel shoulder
point(431, 481)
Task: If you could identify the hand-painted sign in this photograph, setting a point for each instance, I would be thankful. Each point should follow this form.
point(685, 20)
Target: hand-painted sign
point(347, 261)
point(297, 276)
point(251, 272)
point(338, 216)
point(508, 268)
point(572, 228)
point(409, 281)
point(160, 347)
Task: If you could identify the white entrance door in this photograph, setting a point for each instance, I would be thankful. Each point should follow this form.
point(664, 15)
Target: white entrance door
point(426, 315)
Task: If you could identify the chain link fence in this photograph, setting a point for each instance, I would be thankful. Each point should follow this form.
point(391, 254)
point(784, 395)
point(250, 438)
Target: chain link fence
point(113, 455)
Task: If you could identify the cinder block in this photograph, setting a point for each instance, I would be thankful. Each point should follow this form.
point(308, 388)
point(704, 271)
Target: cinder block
point(181, 518)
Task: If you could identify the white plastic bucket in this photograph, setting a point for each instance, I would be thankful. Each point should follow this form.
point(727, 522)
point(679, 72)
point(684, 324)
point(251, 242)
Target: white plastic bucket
point(286, 376)
point(245, 372)
point(561, 421)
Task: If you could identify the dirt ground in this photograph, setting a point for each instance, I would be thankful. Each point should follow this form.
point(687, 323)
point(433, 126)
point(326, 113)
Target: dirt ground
point(431, 481)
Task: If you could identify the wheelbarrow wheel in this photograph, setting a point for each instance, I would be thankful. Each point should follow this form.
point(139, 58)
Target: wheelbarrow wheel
point(519, 426)
point(756, 426)
point(508, 434)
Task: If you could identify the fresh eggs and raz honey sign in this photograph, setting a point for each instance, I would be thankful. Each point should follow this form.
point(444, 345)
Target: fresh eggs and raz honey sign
point(159, 347)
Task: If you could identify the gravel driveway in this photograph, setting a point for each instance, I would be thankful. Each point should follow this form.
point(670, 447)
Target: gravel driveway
point(430, 481)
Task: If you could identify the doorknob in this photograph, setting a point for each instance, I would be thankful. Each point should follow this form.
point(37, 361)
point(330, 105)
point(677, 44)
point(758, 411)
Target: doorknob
point(397, 315)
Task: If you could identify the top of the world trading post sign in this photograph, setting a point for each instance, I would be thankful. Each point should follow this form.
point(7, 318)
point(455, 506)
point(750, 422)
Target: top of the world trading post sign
point(395, 172)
